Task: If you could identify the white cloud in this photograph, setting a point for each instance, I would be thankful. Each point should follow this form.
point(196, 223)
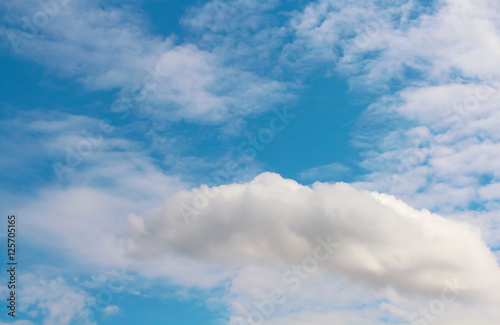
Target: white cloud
point(111, 310)
point(376, 44)
point(392, 259)
point(54, 298)
point(276, 221)
point(111, 180)
point(102, 46)
point(107, 48)
point(202, 88)
point(449, 160)
point(330, 172)
point(246, 31)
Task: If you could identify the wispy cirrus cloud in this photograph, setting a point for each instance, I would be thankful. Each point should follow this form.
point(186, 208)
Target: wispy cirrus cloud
point(107, 48)
point(330, 172)
point(52, 300)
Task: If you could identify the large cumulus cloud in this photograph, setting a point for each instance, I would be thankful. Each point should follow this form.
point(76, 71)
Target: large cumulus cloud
point(273, 221)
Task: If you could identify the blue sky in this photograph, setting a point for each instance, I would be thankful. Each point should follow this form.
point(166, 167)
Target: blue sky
point(176, 162)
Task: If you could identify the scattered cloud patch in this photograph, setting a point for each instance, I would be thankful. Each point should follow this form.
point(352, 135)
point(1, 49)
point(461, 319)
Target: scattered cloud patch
point(325, 173)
